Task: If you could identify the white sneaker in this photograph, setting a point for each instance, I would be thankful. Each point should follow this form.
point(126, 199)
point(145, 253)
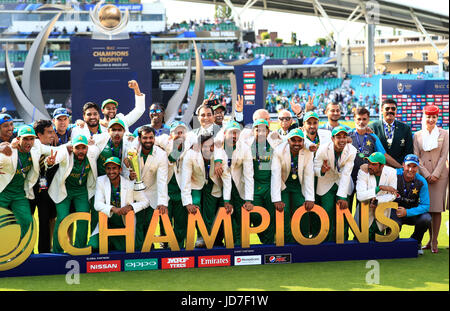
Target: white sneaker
point(200, 243)
point(419, 252)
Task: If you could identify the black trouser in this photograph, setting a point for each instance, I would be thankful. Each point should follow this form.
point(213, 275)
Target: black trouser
point(46, 212)
point(420, 222)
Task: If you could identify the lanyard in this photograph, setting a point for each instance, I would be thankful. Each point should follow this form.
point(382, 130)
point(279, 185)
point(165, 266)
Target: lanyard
point(207, 168)
point(80, 181)
point(406, 192)
point(99, 131)
point(294, 168)
point(21, 167)
point(66, 137)
point(336, 161)
point(111, 145)
point(116, 195)
point(361, 147)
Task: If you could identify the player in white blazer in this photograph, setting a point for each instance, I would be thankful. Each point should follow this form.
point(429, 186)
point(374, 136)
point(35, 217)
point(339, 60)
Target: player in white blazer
point(90, 125)
point(201, 188)
point(376, 183)
point(240, 163)
point(153, 165)
point(19, 168)
point(109, 108)
point(74, 182)
point(313, 135)
point(176, 145)
point(115, 197)
point(292, 180)
point(333, 165)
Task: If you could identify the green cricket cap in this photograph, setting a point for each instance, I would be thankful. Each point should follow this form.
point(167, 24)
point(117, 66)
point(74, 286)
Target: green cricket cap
point(377, 157)
point(310, 114)
point(26, 130)
point(114, 160)
point(116, 121)
point(296, 132)
point(338, 130)
point(232, 125)
point(259, 122)
point(109, 101)
point(176, 124)
point(79, 140)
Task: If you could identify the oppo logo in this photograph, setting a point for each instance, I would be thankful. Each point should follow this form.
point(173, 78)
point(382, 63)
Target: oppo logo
point(141, 264)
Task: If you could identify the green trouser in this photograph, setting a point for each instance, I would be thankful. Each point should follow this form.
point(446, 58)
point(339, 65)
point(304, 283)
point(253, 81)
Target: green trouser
point(143, 219)
point(20, 206)
point(328, 202)
point(79, 197)
point(262, 197)
point(373, 229)
point(208, 204)
point(237, 203)
point(177, 212)
point(116, 243)
point(94, 215)
point(293, 198)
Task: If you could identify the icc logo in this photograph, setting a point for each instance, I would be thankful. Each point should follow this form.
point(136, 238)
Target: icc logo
point(13, 249)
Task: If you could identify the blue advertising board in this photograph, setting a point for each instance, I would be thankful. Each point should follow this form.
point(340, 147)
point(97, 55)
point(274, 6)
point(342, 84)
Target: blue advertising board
point(250, 84)
point(413, 95)
point(101, 69)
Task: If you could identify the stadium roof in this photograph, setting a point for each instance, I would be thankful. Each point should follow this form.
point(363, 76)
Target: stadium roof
point(390, 14)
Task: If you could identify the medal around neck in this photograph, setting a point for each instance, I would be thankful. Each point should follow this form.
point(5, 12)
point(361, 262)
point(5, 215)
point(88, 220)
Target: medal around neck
point(134, 162)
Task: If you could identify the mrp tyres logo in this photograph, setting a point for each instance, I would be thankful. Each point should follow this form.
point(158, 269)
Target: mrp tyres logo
point(14, 249)
point(177, 262)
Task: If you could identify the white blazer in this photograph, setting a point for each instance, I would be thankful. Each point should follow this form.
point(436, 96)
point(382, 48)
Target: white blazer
point(281, 168)
point(154, 175)
point(193, 176)
point(165, 142)
point(134, 114)
point(8, 165)
point(57, 190)
point(128, 196)
point(85, 131)
point(365, 190)
point(324, 137)
point(101, 140)
point(343, 177)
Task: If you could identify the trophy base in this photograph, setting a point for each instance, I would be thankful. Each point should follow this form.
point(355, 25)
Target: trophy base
point(139, 186)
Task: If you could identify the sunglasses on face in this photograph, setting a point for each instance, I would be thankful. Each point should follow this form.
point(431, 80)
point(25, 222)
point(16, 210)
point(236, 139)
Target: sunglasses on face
point(285, 118)
point(390, 108)
point(155, 110)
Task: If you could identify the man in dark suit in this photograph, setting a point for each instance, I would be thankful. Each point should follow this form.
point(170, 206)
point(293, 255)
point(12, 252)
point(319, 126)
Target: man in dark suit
point(395, 136)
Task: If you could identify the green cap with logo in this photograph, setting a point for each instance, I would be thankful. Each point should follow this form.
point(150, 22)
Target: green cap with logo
point(109, 101)
point(26, 130)
point(79, 140)
point(377, 157)
point(259, 122)
point(232, 125)
point(339, 129)
point(116, 121)
point(296, 133)
point(310, 114)
point(114, 160)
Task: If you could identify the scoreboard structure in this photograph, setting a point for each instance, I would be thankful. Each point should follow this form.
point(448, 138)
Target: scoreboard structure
point(411, 97)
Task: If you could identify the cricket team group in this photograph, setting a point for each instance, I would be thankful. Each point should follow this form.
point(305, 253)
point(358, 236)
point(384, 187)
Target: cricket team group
point(90, 166)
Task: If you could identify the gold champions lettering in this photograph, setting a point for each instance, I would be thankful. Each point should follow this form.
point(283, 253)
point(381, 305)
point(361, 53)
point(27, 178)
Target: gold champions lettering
point(110, 56)
point(361, 232)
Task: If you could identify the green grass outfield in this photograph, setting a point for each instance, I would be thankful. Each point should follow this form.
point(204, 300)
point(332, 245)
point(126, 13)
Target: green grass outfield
point(429, 272)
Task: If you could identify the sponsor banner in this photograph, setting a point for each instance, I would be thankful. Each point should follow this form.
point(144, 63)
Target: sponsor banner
point(413, 95)
point(101, 69)
point(247, 260)
point(141, 264)
point(250, 82)
point(103, 266)
point(214, 261)
point(177, 262)
point(277, 259)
